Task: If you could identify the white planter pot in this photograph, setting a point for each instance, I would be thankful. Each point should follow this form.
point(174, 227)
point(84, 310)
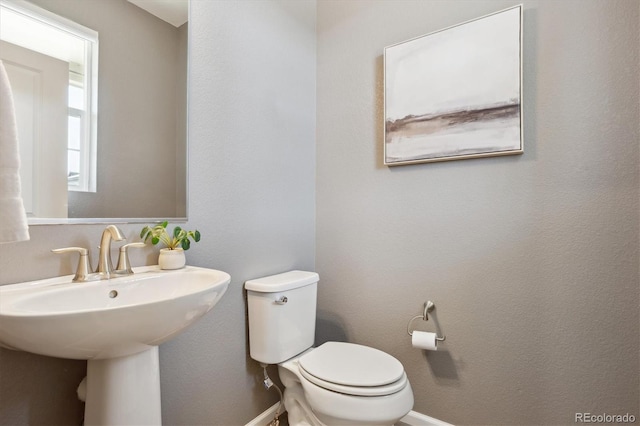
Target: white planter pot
point(171, 259)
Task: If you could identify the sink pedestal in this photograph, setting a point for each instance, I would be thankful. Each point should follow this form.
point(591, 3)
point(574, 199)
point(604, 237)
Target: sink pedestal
point(124, 390)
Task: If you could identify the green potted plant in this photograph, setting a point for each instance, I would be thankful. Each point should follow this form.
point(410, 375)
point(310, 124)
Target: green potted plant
point(172, 256)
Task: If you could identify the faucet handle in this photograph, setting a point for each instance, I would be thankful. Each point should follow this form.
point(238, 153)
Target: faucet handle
point(124, 266)
point(84, 264)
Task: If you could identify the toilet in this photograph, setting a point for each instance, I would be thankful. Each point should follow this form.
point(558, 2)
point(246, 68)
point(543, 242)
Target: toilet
point(336, 383)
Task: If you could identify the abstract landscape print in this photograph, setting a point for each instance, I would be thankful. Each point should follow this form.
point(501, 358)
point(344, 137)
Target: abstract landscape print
point(455, 93)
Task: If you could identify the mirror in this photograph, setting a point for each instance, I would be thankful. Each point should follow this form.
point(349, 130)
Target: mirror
point(132, 166)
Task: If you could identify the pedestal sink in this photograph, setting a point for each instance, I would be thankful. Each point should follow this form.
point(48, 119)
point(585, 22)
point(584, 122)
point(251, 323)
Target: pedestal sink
point(116, 325)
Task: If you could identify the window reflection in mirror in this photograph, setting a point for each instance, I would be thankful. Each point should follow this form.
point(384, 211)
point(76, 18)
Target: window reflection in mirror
point(51, 63)
point(131, 163)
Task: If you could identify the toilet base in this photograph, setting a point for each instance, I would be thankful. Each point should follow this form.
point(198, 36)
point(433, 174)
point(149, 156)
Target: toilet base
point(298, 411)
point(300, 414)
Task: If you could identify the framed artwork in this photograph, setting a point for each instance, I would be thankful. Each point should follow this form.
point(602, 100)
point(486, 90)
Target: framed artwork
point(455, 93)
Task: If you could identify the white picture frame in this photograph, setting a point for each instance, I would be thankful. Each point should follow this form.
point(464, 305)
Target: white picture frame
point(455, 93)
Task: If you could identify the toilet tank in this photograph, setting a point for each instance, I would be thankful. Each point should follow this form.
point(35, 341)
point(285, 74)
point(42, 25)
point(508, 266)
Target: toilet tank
point(282, 315)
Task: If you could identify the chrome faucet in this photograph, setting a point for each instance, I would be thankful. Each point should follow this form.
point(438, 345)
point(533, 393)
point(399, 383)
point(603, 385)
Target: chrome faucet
point(105, 265)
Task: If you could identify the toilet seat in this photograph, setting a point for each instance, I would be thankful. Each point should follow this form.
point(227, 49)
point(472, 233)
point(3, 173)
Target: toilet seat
point(355, 390)
point(353, 369)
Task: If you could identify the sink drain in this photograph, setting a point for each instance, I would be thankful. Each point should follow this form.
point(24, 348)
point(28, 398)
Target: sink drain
point(113, 294)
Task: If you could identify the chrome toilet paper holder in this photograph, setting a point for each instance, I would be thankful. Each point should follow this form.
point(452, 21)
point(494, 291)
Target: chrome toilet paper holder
point(428, 307)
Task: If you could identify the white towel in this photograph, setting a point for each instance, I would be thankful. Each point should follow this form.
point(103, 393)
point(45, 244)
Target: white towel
point(13, 219)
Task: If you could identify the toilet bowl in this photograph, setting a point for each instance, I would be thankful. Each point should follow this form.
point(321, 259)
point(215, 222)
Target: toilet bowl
point(336, 383)
point(346, 384)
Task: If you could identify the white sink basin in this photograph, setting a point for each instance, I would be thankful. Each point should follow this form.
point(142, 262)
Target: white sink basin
point(116, 325)
point(109, 318)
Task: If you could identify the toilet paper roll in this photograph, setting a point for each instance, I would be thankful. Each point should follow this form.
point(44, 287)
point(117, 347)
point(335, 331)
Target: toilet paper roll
point(424, 340)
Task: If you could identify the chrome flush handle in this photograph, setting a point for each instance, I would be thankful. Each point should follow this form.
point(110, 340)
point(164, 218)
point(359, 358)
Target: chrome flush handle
point(282, 301)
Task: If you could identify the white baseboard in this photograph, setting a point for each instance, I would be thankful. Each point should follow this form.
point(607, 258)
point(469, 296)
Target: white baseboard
point(411, 419)
point(265, 417)
point(419, 419)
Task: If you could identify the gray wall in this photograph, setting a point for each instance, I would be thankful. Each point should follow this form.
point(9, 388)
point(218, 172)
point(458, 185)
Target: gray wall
point(181, 122)
point(532, 260)
point(251, 195)
point(252, 179)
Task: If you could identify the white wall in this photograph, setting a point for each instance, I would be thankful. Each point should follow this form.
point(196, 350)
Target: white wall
point(532, 260)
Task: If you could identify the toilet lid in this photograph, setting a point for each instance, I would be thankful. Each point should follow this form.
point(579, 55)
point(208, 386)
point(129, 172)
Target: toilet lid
point(352, 365)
